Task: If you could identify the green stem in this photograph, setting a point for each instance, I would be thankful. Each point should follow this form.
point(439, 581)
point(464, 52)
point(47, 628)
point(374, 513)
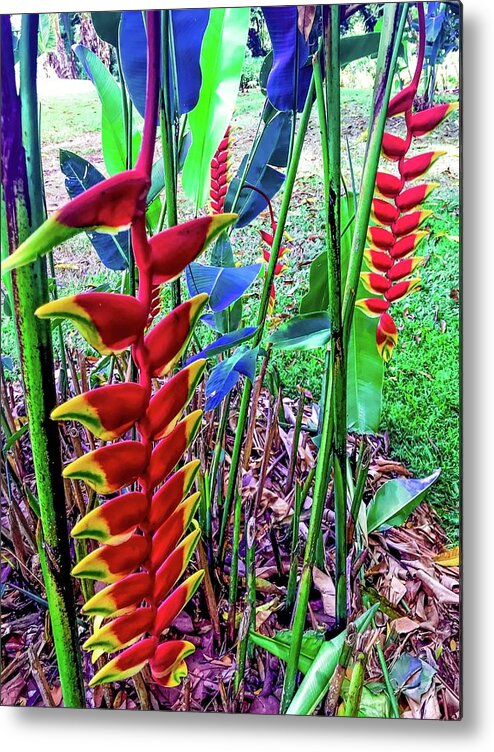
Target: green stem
point(388, 51)
point(389, 46)
point(263, 306)
point(22, 185)
point(352, 703)
point(395, 711)
point(338, 350)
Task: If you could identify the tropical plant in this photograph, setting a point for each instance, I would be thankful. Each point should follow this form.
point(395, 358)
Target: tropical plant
point(142, 553)
point(398, 224)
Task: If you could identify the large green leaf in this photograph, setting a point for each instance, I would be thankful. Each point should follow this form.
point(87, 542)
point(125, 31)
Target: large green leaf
point(394, 501)
point(316, 682)
point(357, 46)
point(222, 56)
point(365, 371)
point(280, 646)
point(113, 134)
point(305, 332)
point(106, 23)
point(47, 39)
point(365, 376)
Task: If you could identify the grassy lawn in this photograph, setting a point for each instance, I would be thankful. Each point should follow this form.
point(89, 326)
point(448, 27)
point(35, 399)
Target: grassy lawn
point(421, 399)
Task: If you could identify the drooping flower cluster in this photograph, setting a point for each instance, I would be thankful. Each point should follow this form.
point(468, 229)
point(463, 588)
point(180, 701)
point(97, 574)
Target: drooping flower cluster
point(144, 548)
point(398, 228)
point(220, 164)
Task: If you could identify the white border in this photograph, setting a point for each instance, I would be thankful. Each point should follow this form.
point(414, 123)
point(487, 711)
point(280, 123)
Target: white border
point(60, 730)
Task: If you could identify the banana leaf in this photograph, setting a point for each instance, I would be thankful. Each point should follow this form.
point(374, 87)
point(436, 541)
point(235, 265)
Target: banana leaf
point(113, 136)
point(222, 56)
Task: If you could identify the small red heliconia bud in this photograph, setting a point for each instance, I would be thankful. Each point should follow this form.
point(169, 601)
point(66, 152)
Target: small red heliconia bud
point(372, 306)
point(121, 596)
point(378, 261)
point(168, 339)
point(108, 412)
point(405, 268)
point(402, 101)
point(395, 147)
point(110, 322)
point(386, 336)
point(113, 519)
point(400, 289)
point(381, 238)
point(408, 244)
point(114, 203)
point(175, 248)
point(421, 123)
point(388, 185)
point(412, 197)
point(375, 282)
point(384, 212)
point(416, 166)
point(127, 663)
point(408, 223)
point(110, 563)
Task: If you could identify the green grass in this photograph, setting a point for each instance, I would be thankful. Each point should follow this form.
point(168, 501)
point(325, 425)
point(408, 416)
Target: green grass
point(66, 117)
point(421, 397)
point(422, 390)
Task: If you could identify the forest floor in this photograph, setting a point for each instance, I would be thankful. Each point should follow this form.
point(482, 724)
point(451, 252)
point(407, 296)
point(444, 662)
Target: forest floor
point(421, 413)
point(418, 625)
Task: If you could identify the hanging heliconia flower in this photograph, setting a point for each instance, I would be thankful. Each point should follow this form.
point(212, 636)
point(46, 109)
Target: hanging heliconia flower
point(220, 164)
point(144, 549)
point(267, 238)
point(398, 228)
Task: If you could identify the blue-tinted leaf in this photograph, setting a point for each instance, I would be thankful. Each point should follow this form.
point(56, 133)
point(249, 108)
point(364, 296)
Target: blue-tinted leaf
point(225, 342)
point(394, 501)
point(289, 78)
point(227, 373)
point(305, 332)
point(224, 285)
point(113, 250)
point(106, 25)
point(272, 150)
point(188, 27)
point(222, 253)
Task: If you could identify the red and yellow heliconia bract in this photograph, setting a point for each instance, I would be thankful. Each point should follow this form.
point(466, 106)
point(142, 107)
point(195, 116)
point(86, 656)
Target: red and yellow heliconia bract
point(396, 211)
point(147, 534)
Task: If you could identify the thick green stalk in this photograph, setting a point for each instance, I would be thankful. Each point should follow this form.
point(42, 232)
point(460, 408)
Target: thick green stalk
point(249, 615)
point(395, 711)
point(385, 68)
point(391, 34)
point(352, 703)
point(263, 306)
point(23, 193)
point(338, 350)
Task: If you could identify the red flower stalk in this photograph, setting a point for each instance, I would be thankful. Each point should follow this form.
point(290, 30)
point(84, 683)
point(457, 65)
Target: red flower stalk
point(396, 212)
point(144, 548)
point(219, 174)
point(268, 238)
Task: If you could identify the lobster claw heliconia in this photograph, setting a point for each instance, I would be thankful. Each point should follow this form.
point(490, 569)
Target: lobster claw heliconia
point(396, 210)
point(147, 533)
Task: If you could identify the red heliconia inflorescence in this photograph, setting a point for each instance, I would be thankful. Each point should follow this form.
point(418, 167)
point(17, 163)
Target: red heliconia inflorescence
point(398, 219)
point(268, 238)
point(220, 164)
point(144, 545)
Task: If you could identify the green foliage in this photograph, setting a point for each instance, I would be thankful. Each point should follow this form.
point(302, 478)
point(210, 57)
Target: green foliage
point(113, 135)
point(422, 390)
point(394, 501)
point(222, 56)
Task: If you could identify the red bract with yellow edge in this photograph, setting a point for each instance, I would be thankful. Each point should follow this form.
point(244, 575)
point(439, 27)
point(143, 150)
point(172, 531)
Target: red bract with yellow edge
point(395, 235)
point(145, 546)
